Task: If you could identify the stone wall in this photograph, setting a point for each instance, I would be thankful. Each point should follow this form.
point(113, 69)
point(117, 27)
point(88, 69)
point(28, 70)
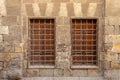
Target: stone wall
point(14, 16)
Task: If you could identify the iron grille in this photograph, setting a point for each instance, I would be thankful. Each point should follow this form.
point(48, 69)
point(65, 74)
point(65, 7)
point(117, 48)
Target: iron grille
point(84, 41)
point(42, 42)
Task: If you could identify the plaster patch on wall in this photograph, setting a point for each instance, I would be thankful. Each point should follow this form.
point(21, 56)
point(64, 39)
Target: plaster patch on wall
point(2, 7)
point(92, 9)
point(77, 9)
point(49, 9)
point(36, 9)
point(63, 9)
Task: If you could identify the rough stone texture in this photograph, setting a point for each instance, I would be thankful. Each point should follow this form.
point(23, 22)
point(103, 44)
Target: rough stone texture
point(4, 30)
point(14, 37)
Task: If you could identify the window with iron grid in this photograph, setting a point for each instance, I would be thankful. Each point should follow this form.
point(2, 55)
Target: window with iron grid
point(42, 42)
point(84, 42)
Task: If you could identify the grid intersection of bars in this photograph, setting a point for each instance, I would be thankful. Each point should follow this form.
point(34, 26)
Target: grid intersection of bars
point(84, 41)
point(42, 42)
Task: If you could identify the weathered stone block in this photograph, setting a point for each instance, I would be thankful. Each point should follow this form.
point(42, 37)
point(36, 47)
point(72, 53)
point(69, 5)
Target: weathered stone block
point(112, 8)
point(66, 21)
point(9, 47)
point(16, 10)
point(46, 72)
point(60, 1)
point(94, 73)
point(28, 1)
point(42, 8)
point(63, 10)
point(14, 34)
point(66, 78)
point(13, 3)
point(9, 20)
point(70, 9)
point(4, 30)
point(109, 30)
point(29, 9)
point(115, 64)
point(79, 73)
point(58, 72)
point(32, 72)
point(60, 20)
point(112, 73)
point(18, 47)
point(56, 9)
point(42, 1)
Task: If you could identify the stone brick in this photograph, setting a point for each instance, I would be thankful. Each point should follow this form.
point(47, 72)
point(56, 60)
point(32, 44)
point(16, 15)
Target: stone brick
point(66, 78)
point(58, 72)
point(56, 9)
point(94, 73)
point(2, 8)
point(14, 34)
point(15, 10)
point(18, 47)
point(42, 8)
point(91, 78)
point(112, 73)
point(70, 9)
point(66, 21)
point(112, 8)
point(9, 47)
point(36, 9)
point(63, 10)
point(115, 64)
point(49, 9)
point(9, 20)
point(109, 30)
point(4, 30)
point(46, 72)
point(60, 20)
point(79, 73)
point(13, 3)
point(39, 78)
point(78, 9)
point(99, 10)
point(42, 1)
point(92, 9)
point(29, 10)
point(28, 1)
point(59, 1)
point(32, 72)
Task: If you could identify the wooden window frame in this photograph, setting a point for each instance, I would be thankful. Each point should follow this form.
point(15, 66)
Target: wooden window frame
point(97, 45)
point(41, 66)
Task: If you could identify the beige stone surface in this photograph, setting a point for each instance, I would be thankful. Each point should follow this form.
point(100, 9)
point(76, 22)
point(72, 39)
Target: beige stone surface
point(63, 10)
point(36, 9)
point(92, 9)
point(4, 30)
point(77, 9)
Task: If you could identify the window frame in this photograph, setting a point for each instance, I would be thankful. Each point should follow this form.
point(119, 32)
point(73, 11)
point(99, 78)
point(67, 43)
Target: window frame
point(97, 45)
point(28, 51)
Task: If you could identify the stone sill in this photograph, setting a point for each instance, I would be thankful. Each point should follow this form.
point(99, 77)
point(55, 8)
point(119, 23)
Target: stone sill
point(85, 67)
point(41, 67)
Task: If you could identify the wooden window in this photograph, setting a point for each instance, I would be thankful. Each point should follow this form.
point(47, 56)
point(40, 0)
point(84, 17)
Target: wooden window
point(84, 41)
point(42, 42)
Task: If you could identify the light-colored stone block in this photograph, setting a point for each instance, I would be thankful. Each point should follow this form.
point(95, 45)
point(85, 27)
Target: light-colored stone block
point(4, 30)
point(49, 9)
point(66, 78)
point(63, 10)
point(92, 9)
point(2, 7)
point(77, 9)
point(36, 9)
